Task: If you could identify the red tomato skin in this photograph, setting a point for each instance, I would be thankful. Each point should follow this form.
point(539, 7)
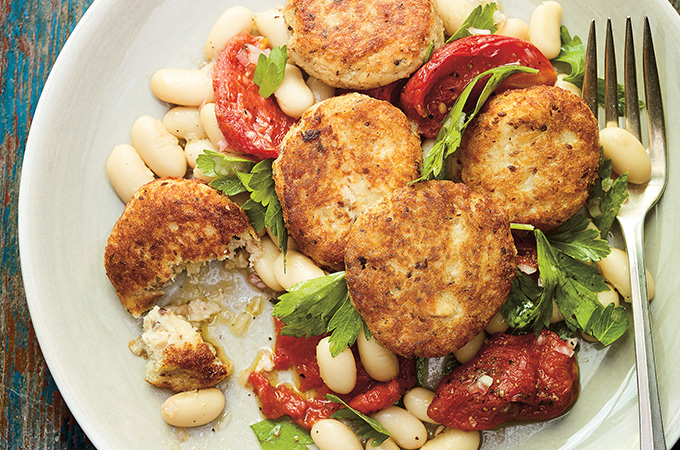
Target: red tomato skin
point(282, 400)
point(250, 123)
point(300, 353)
point(451, 68)
point(534, 378)
point(306, 408)
point(389, 93)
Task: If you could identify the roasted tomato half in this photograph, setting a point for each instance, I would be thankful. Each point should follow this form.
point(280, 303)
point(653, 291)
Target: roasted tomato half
point(512, 378)
point(249, 122)
point(433, 89)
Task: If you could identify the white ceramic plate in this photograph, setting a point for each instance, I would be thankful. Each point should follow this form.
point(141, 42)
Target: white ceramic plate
point(100, 85)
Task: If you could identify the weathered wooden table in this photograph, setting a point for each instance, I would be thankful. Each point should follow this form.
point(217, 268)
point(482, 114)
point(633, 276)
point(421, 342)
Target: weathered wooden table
point(32, 413)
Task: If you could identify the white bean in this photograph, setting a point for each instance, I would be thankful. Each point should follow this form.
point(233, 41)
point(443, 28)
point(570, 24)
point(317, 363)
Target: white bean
point(406, 430)
point(320, 90)
point(417, 400)
point(264, 266)
point(380, 363)
point(233, 21)
point(556, 313)
point(331, 434)
point(338, 372)
point(158, 148)
point(293, 95)
point(497, 324)
point(292, 245)
point(271, 25)
point(469, 350)
point(127, 172)
point(298, 267)
point(452, 438)
point(193, 408)
point(191, 151)
point(615, 269)
point(387, 444)
point(514, 27)
point(627, 154)
point(544, 28)
point(454, 12)
point(184, 122)
point(195, 147)
point(567, 86)
point(608, 297)
point(210, 125)
point(186, 87)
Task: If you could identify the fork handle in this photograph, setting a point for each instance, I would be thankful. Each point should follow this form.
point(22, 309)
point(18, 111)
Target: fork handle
point(651, 425)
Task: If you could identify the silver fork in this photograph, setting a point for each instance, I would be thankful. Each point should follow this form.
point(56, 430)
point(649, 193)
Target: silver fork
point(641, 198)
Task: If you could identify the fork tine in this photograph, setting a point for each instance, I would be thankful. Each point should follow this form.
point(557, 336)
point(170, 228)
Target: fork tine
point(611, 107)
point(589, 92)
point(631, 91)
point(655, 115)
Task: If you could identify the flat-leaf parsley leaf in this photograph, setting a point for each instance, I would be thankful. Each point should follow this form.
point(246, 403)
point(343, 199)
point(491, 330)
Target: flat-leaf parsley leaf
point(270, 70)
point(318, 306)
point(281, 434)
point(234, 175)
point(481, 18)
point(368, 427)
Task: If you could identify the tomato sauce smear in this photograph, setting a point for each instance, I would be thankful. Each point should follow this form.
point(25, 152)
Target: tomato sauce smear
point(306, 404)
point(250, 123)
point(512, 378)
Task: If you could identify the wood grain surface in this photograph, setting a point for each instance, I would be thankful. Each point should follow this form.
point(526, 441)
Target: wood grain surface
point(32, 413)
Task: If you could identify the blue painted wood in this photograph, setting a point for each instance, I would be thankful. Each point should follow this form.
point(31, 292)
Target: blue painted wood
point(32, 413)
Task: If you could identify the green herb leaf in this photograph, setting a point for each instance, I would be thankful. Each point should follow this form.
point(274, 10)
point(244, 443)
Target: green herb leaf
point(572, 53)
point(228, 185)
point(608, 324)
point(481, 18)
point(263, 207)
point(525, 305)
point(281, 434)
point(428, 52)
point(368, 427)
point(575, 239)
point(573, 284)
point(421, 370)
point(345, 326)
point(453, 126)
point(225, 169)
point(270, 70)
point(319, 306)
point(607, 196)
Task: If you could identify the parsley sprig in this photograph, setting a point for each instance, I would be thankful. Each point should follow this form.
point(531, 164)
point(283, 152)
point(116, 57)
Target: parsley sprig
point(563, 258)
point(270, 70)
point(451, 132)
point(368, 427)
point(607, 196)
point(318, 306)
point(234, 175)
